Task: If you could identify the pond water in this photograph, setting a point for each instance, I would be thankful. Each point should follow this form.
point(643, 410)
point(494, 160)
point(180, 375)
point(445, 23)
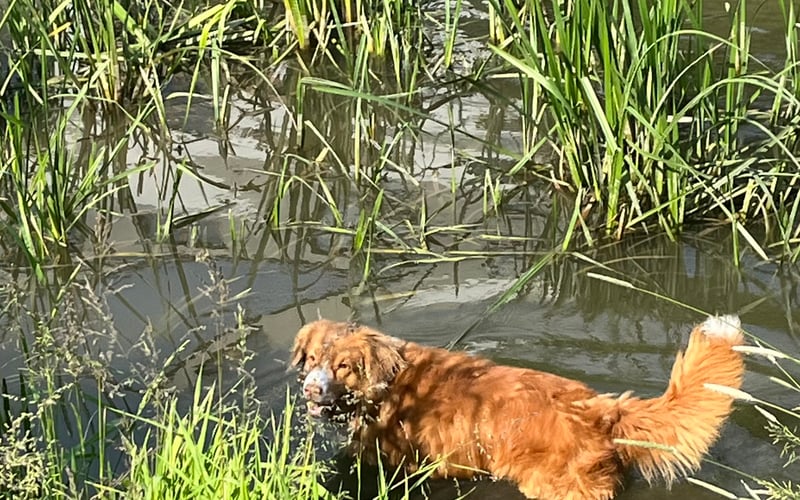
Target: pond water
point(565, 321)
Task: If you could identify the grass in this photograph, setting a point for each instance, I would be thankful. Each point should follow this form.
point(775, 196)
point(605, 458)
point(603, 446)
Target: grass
point(212, 452)
point(79, 422)
point(647, 121)
point(648, 110)
point(78, 95)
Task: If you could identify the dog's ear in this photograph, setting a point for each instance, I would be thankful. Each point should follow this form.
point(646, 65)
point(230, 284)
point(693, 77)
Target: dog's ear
point(300, 347)
point(383, 360)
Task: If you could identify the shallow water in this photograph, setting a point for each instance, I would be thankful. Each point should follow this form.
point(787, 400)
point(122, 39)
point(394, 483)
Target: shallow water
point(565, 321)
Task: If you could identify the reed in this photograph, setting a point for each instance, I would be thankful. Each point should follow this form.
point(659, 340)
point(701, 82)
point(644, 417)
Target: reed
point(647, 111)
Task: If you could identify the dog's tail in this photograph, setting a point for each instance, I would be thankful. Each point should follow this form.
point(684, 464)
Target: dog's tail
point(685, 420)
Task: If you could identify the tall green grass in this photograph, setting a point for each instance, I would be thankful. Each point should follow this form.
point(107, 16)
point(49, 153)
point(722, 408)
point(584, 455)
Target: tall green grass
point(88, 81)
point(77, 94)
point(216, 452)
point(390, 28)
point(647, 112)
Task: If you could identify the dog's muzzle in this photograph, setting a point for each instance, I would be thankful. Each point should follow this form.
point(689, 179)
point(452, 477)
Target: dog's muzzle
point(317, 391)
point(316, 385)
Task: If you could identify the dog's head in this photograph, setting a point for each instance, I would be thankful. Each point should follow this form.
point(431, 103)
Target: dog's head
point(313, 340)
point(356, 366)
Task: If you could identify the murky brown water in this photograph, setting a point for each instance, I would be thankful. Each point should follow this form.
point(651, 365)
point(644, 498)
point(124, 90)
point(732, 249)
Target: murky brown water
point(566, 322)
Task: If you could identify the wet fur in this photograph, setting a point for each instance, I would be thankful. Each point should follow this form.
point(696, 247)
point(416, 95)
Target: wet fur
point(553, 437)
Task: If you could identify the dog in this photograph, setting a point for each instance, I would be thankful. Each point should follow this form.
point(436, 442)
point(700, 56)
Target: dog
point(555, 438)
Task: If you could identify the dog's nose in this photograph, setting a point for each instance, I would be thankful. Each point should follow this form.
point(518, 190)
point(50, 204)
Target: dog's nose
point(315, 383)
point(311, 390)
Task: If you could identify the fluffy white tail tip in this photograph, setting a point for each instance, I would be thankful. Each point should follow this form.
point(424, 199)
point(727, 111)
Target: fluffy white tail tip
point(728, 326)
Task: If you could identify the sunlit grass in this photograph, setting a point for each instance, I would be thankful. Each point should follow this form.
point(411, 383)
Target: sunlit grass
point(647, 120)
point(71, 428)
point(213, 452)
point(87, 82)
point(210, 452)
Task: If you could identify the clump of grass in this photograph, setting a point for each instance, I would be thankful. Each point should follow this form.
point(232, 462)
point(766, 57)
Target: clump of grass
point(646, 111)
point(22, 460)
point(70, 427)
point(210, 451)
point(85, 81)
point(63, 410)
point(216, 452)
point(389, 28)
point(50, 187)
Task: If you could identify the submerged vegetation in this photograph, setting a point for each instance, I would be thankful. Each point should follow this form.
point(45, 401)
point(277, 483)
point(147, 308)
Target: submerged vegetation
point(628, 118)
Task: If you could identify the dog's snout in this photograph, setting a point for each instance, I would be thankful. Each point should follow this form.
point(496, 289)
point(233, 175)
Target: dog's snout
point(316, 383)
point(311, 391)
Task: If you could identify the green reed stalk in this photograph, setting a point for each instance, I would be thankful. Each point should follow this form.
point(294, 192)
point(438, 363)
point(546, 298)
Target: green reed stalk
point(789, 77)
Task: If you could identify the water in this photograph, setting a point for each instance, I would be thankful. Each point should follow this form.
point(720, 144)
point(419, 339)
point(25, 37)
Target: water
point(565, 322)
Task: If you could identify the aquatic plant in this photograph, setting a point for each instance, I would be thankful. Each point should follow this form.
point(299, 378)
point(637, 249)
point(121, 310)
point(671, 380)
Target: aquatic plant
point(93, 415)
point(647, 112)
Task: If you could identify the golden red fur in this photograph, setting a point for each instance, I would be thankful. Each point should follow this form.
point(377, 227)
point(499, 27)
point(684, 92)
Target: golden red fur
point(554, 437)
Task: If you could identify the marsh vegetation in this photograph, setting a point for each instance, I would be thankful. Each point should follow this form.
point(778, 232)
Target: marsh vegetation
point(559, 184)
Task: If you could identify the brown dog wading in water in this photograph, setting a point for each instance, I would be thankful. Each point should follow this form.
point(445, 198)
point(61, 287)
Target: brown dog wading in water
point(555, 438)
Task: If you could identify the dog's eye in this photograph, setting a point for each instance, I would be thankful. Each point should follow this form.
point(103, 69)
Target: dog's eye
point(343, 366)
point(311, 358)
